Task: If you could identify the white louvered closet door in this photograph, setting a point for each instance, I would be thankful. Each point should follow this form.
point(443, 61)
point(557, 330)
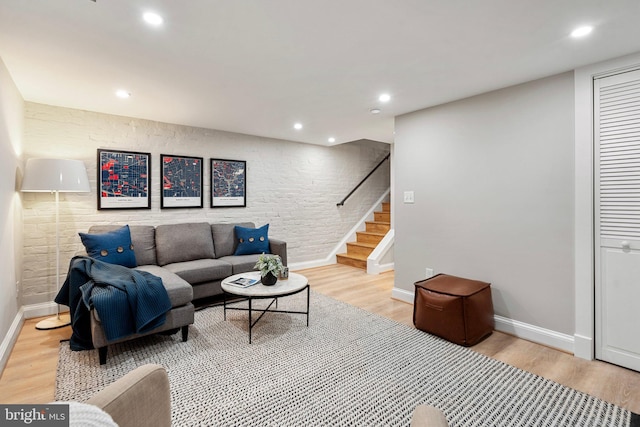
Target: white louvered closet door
point(617, 218)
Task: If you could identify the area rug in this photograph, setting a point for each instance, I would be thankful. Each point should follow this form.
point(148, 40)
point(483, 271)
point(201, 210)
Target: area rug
point(348, 367)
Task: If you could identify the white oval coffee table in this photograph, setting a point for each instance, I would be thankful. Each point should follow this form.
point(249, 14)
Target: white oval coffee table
point(294, 284)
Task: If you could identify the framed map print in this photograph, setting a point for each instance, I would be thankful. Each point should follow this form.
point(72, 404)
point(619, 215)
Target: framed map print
point(228, 183)
point(181, 181)
point(124, 180)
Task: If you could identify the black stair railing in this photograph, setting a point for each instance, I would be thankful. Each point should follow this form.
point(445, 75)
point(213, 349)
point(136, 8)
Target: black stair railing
point(341, 203)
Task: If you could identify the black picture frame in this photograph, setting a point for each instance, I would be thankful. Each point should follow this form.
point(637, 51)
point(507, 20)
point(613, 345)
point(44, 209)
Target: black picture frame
point(228, 183)
point(181, 179)
point(124, 179)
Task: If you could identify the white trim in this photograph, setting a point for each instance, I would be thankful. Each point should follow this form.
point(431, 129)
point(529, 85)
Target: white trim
point(519, 329)
point(583, 345)
point(535, 333)
point(402, 295)
point(382, 268)
point(312, 264)
point(583, 211)
point(583, 198)
point(41, 309)
point(373, 261)
point(342, 245)
point(10, 339)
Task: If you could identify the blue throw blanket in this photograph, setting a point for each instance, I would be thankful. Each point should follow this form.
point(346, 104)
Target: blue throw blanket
point(127, 301)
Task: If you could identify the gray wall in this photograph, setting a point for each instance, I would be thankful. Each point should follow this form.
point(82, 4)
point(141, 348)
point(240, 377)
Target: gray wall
point(11, 122)
point(493, 182)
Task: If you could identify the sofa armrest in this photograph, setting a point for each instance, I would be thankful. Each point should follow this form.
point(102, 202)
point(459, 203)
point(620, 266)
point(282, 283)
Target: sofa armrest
point(141, 398)
point(278, 247)
point(428, 416)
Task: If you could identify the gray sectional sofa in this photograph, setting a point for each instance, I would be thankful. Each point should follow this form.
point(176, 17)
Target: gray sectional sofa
point(191, 259)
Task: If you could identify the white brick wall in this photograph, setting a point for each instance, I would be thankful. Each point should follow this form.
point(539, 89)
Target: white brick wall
point(292, 186)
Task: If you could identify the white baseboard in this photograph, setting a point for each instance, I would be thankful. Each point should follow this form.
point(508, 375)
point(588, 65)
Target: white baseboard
point(519, 329)
point(41, 309)
point(312, 264)
point(402, 295)
point(536, 334)
point(381, 268)
point(10, 339)
point(331, 261)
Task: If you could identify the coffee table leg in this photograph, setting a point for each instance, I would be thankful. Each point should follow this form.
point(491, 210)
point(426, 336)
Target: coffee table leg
point(307, 305)
point(224, 295)
point(249, 320)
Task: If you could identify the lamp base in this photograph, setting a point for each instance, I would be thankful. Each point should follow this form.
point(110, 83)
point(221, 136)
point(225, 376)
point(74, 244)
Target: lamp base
point(55, 322)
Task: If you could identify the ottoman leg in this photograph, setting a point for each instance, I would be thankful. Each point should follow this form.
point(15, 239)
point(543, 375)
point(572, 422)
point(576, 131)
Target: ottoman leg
point(102, 355)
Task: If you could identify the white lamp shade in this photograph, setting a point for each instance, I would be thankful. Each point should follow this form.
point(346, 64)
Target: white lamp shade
point(63, 175)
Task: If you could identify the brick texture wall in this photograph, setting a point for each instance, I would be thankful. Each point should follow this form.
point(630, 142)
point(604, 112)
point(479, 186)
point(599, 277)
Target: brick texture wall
point(292, 186)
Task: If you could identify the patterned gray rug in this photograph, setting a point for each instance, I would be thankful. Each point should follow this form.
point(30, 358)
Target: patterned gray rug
point(349, 367)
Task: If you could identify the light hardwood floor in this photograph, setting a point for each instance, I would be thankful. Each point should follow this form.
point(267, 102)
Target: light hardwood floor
point(29, 376)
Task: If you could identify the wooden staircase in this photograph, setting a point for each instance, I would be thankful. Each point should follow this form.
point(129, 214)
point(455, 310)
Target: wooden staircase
point(366, 241)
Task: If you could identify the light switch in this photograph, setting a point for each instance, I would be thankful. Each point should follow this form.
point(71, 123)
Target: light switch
point(408, 197)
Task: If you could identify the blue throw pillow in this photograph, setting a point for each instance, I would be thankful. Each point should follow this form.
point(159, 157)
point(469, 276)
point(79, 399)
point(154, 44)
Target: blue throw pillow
point(252, 240)
point(114, 247)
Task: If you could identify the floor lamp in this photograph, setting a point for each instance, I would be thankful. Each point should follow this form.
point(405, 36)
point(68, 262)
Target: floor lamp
point(55, 176)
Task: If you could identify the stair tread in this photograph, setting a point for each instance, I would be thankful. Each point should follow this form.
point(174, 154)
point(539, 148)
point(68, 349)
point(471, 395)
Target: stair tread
point(372, 233)
point(363, 244)
point(354, 256)
point(378, 222)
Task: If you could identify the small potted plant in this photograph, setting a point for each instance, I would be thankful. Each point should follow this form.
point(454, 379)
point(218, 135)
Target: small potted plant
point(270, 267)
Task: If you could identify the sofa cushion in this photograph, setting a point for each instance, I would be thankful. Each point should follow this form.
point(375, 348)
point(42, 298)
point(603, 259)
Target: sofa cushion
point(143, 238)
point(179, 290)
point(113, 247)
point(201, 270)
point(183, 242)
point(241, 263)
point(252, 240)
point(224, 237)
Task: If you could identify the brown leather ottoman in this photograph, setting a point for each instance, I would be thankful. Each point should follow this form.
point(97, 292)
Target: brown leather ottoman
point(456, 309)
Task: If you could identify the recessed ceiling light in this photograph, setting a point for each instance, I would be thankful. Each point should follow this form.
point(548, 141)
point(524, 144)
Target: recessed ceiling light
point(385, 97)
point(123, 94)
point(581, 31)
point(297, 126)
point(332, 140)
point(375, 111)
point(152, 18)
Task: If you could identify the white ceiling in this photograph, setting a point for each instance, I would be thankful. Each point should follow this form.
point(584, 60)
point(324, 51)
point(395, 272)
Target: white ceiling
point(256, 67)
